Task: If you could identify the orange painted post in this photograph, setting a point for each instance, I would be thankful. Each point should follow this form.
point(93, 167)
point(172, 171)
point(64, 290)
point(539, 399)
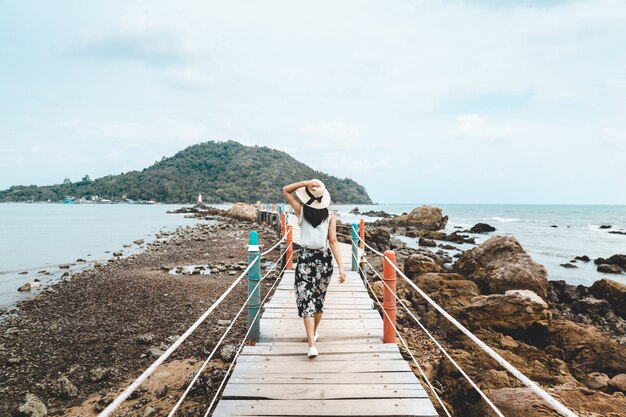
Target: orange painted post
point(362, 234)
point(283, 224)
point(289, 254)
point(389, 299)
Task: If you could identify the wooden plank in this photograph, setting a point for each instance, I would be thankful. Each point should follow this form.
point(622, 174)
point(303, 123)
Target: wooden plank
point(321, 407)
point(315, 367)
point(322, 391)
point(360, 357)
point(328, 348)
point(374, 378)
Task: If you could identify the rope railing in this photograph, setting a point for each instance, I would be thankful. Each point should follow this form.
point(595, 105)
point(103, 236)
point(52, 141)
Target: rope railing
point(217, 393)
point(165, 355)
point(441, 348)
point(219, 342)
point(406, 346)
point(533, 386)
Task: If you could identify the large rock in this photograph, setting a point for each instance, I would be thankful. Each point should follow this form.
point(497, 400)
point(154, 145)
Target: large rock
point(451, 291)
point(419, 264)
point(242, 211)
point(522, 402)
point(33, 407)
point(513, 311)
point(609, 269)
point(612, 291)
point(501, 264)
point(482, 228)
point(423, 217)
point(619, 260)
point(618, 382)
point(585, 348)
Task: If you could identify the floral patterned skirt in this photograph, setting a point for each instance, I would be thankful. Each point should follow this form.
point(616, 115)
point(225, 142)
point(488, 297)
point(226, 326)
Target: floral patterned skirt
point(313, 273)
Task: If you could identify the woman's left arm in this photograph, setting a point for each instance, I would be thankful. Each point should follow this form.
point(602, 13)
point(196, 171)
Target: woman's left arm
point(334, 247)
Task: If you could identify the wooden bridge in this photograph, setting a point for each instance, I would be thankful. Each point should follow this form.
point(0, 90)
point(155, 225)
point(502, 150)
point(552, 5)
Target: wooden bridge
point(356, 374)
point(359, 371)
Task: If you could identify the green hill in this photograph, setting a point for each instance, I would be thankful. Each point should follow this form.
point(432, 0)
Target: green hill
point(221, 171)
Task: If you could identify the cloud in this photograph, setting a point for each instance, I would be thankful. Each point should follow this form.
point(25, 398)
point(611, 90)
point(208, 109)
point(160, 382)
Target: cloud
point(618, 83)
point(137, 38)
point(475, 126)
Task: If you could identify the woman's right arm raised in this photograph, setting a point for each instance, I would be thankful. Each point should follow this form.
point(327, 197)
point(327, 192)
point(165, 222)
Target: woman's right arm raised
point(288, 189)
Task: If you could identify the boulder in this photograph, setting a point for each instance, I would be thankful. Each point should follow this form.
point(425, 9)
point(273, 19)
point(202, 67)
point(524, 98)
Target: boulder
point(354, 211)
point(482, 228)
point(228, 352)
point(586, 348)
point(25, 287)
point(423, 217)
point(583, 258)
point(513, 311)
point(591, 306)
point(427, 242)
point(242, 211)
point(522, 402)
point(501, 264)
point(612, 291)
point(619, 260)
point(618, 382)
point(609, 269)
point(596, 380)
point(379, 238)
point(64, 388)
point(419, 264)
point(33, 407)
point(450, 291)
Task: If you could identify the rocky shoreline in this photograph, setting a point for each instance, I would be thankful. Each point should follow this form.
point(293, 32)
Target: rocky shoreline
point(571, 339)
point(71, 348)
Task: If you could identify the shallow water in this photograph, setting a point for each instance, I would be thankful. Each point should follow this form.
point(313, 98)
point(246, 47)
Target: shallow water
point(577, 233)
point(41, 236)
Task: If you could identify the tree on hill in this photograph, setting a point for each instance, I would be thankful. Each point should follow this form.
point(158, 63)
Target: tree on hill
point(221, 171)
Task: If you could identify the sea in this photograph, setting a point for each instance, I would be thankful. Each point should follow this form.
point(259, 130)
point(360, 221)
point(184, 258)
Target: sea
point(551, 234)
point(36, 237)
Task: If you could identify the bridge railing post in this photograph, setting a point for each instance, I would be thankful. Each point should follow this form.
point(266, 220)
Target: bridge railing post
point(254, 290)
point(289, 254)
point(389, 299)
point(355, 248)
point(362, 234)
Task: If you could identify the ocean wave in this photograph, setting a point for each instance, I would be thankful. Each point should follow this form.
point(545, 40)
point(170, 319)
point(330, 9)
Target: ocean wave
point(504, 219)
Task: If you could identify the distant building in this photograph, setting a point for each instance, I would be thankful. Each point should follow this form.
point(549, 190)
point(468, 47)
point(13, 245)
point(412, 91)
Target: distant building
point(199, 198)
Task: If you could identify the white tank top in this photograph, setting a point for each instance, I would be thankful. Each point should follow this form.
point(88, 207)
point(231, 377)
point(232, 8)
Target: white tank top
point(313, 237)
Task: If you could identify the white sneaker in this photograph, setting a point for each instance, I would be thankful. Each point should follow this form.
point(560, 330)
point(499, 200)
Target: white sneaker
point(315, 336)
point(312, 352)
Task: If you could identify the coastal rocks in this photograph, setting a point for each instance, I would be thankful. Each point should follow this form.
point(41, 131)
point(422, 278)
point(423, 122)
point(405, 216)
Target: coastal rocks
point(64, 388)
point(596, 380)
point(354, 211)
point(98, 374)
point(138, 242)
point(591, 306)
point(619, 260)
point(609, 269)
point(482, 228)
point(242, 211)
point(618, 382)
point(586, 348)
point(583, 258)
point(501, 264)
point(427, 242)
point(613, 292)
point(379, 238)
point(25, 287)
point(423, 217)
point(378, 213)
point(568, 265)
point(451, 291)
point(118, 253)
point(228, 352)
point(33, 407)
point(522, 402)
point(513, 311)
point(419, 264)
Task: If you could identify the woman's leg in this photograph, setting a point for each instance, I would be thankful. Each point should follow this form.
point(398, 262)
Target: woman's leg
point(318, 318)
point(309, 326)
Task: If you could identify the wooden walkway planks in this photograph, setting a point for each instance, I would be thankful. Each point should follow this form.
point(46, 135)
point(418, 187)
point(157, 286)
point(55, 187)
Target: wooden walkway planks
point(355, 375)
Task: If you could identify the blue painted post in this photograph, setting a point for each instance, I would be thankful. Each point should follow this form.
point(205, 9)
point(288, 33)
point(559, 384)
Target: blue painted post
point(254, 276)
point(355, 246)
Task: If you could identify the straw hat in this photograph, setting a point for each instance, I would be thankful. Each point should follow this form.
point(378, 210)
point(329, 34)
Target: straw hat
point(317, 198)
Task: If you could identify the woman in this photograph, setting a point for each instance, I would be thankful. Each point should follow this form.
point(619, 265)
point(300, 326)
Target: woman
point(318, 237)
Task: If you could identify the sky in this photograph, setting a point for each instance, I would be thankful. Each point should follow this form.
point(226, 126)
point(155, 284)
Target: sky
point(431, 101)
